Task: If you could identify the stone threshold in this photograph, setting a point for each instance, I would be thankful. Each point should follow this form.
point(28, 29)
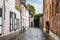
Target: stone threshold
point(53, 35)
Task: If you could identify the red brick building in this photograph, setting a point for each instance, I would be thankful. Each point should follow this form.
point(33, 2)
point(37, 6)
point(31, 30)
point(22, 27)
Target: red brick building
point(51, 18)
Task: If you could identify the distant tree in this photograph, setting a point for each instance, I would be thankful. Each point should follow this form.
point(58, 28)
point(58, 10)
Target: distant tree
point(31, 9)
point(37, 18)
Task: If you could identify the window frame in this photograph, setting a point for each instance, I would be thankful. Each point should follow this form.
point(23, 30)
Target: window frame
point(17, 23)
point(1, 21)
point(11, 27)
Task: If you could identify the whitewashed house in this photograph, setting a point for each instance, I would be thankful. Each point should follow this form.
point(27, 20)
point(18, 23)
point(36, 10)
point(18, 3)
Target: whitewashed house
point(9, 18)
point(25, 17)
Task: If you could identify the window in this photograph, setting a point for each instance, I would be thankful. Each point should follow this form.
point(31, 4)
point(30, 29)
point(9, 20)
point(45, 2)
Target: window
point(15, 23)
point(0, 21)
point(11, 21)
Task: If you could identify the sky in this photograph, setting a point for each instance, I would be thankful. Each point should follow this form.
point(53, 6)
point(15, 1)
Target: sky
point(38, 4)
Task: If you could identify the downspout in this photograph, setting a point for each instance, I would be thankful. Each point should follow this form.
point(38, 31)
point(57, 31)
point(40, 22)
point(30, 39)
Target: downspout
point(3, 17)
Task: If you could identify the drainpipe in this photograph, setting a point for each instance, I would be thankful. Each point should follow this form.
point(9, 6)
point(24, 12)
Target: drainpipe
point(3, 17)
point(4, 9)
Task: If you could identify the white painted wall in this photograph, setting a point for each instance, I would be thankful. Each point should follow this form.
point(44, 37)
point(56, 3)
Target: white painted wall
point(9, 6)
point(25, 16)
point(6, 20)
point(1, 3)
point(12, 4)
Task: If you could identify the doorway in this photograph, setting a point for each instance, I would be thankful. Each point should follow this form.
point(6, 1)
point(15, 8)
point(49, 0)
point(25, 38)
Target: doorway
point(47, 27)
point(31, 24)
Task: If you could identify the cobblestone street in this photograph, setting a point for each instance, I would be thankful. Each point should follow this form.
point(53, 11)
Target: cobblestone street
point(30, 34)
point(34, 34)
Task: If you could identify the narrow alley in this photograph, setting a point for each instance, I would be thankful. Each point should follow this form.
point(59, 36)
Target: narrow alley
point(29, 19)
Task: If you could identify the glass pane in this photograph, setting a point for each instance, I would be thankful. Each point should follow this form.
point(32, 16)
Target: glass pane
point(18, 23)
point(11, 20)
point(11, 27)
point(15, 26)
point(0, 20)
point(0, 12)
point(0, 29)
point(15, 21)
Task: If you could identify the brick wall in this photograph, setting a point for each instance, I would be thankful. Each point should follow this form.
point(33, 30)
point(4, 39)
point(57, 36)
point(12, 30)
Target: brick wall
point(51, 10)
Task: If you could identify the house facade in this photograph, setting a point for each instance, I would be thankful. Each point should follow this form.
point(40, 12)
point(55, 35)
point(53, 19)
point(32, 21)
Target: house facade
point(31, 20)
point(9, 19)
point(51, 18)
point(24, 13)
point(25, 17)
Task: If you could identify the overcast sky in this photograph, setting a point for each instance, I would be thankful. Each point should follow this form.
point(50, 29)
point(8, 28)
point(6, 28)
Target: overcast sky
point(38, 4)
